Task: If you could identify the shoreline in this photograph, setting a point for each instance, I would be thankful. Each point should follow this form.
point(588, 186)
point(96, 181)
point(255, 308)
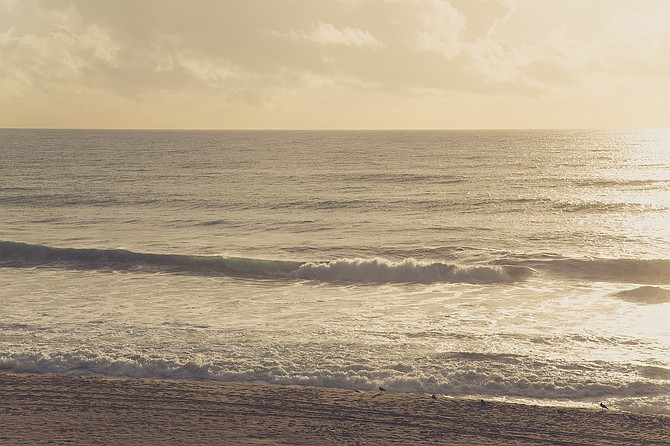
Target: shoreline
point(66, 409)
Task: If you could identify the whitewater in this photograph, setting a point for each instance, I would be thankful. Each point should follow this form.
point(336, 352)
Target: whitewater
point(527, 266)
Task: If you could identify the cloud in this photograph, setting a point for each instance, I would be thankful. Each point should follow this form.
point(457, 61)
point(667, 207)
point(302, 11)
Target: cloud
point(441, 28)
point(327, 33)
point(636, 41)
point(286, 54)
point(228, 47)
point(46, 62)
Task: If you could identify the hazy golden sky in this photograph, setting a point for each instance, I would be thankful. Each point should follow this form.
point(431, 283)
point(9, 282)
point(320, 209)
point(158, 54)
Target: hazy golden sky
point(334, 63)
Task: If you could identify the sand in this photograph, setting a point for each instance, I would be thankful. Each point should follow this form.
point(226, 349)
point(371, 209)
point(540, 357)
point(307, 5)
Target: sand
point(58, 409)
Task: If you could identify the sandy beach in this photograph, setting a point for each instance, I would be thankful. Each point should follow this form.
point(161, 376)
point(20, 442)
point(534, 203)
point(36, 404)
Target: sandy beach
point(57, 409)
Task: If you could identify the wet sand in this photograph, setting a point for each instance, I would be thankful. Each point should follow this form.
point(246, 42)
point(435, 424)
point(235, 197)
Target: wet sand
point(58, 409)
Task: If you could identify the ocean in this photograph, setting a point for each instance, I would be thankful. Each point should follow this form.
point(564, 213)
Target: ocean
point(520, 265)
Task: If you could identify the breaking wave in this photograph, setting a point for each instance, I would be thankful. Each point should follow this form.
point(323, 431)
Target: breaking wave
point(646, 391)
point(352, 270)
point(14, 254)
point(408, 271)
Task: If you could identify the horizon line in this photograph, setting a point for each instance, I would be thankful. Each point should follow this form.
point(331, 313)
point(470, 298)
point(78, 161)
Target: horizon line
point(381, 129)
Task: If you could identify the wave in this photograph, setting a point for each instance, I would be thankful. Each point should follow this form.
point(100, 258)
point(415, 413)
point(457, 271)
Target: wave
point(615, 270)
point(591, 207)
point(648, 391)
point(645, 295)
point(15, 254)
point(506, 269)
point(622, 182)
point(655, 372)
point(408, 271)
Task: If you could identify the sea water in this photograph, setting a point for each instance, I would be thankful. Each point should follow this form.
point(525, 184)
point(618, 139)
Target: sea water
point(527, 266)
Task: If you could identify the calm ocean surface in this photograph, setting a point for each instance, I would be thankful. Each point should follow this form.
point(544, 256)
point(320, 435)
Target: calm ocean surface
point(527, 266)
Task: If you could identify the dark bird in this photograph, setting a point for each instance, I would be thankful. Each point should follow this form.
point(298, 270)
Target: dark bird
point(381, 389)
point(603, 406)
point(433, 396)
point(357, 391)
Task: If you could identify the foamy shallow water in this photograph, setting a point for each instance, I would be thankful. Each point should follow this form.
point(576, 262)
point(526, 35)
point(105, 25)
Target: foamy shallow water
point(529, 341)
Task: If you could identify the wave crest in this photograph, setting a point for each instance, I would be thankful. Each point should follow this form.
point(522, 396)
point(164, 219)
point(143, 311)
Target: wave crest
point(408, 271)
point(645, 295)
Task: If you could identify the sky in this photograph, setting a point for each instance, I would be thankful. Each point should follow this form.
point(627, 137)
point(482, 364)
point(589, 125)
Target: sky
point(334, 64)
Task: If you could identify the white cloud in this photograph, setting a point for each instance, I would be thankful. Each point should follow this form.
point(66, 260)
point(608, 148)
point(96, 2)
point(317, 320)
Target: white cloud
point(206, 69)
point(44, 60)
point(6, 36)
point(100, 43)
point(442, 27)
point(327, 33)
point(635, 37)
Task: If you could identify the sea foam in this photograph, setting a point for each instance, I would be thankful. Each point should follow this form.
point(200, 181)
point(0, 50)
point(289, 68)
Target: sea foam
point(408, 271)
point(479, 378)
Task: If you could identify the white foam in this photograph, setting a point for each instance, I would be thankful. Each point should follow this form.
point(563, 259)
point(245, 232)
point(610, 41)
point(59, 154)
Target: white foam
point(477, 379)
point(378, 270)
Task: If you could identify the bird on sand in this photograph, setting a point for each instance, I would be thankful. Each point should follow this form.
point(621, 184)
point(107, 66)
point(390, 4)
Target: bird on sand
point(381, 389)
point(433, 396)
point(603, 406)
